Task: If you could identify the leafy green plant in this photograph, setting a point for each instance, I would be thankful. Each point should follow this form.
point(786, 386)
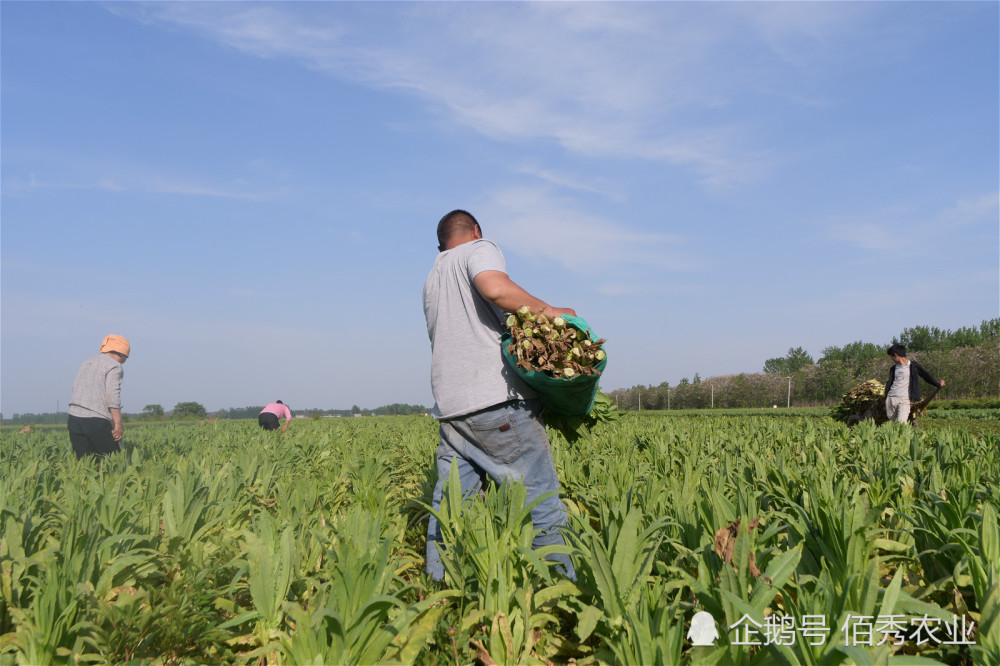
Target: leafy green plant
point(652, 633)
point(269, 557)
point(984, 567)
point(147, 557)
point(616, 561)
point(357, 616)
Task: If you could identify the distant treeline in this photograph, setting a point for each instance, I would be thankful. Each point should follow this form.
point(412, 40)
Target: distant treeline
point(967, 359)
point(37, 419)
point(395, 409)
point(192, 410)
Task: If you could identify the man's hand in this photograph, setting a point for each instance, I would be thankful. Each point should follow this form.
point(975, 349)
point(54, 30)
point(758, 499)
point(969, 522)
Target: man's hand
point(942, 384)
point(552, 312)
point(117, 428)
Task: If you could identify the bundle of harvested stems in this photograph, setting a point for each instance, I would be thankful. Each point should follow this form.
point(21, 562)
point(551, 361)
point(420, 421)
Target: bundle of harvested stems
point(552, 346)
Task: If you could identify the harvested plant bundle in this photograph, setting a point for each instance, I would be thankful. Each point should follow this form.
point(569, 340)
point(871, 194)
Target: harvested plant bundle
point(554, 347)
point(864, 401)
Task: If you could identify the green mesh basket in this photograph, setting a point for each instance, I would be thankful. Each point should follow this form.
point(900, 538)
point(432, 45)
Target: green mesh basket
point(565, 397)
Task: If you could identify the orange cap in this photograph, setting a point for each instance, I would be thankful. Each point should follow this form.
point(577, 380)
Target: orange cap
point(115, 343)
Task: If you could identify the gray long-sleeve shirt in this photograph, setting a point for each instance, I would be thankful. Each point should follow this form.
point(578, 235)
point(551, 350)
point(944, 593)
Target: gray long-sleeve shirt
point(97, 388)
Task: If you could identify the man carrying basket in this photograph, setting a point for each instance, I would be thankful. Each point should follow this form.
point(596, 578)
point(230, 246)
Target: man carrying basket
point(490, 420)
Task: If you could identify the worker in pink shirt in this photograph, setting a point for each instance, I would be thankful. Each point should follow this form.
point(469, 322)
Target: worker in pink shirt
point(269, 416)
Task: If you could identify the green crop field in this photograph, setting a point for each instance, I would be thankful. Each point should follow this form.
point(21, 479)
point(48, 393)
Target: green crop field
point(804, 541)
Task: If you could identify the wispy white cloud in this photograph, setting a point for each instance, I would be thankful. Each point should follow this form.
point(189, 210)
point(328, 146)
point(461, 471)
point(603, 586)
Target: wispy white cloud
point(802, 34)
point(861, 307)
point(623, 80)
point(568, 181)
point(258, 29)
point(983, 208)
point(869, 235)
point(913, 231)
point(249, 293)
point(135, 179)
point(535, 223)
point(648, 288)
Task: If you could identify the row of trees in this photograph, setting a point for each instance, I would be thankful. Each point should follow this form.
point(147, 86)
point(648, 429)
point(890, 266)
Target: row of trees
point(930, 338)
point(187, 411)
point(971, 371)
point(916, 339)
point(191, 410)
point(182, 411)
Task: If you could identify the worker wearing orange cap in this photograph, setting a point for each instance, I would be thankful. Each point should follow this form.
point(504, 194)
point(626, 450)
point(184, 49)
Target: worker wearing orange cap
point(95, 410)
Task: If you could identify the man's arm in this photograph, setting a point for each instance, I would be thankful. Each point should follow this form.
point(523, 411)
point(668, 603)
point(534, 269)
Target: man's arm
point(117, 427)
point(927, 376)
point(113, 393)
point(497, 288)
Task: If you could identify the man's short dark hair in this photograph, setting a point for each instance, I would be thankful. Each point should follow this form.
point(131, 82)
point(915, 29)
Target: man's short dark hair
point(455, 223)
point(897, 350)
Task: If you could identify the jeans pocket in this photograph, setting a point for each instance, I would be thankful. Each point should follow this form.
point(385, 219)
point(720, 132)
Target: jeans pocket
point(499, 438)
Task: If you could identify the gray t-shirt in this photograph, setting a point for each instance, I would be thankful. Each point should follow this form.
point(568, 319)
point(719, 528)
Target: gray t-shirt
point(901, 382)
point(97, 388)
point(468, 372)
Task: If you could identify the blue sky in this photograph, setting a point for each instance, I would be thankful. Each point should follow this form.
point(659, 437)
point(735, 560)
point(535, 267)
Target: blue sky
point(249, 191)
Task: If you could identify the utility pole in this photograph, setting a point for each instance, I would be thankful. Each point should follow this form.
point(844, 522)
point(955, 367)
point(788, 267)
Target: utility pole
point(789, 403)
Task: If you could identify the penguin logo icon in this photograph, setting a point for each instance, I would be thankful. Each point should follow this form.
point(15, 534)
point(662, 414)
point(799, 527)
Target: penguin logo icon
point(703, 631)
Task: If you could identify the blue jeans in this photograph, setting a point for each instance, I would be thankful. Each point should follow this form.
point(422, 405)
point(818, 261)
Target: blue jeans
point(507, 441)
